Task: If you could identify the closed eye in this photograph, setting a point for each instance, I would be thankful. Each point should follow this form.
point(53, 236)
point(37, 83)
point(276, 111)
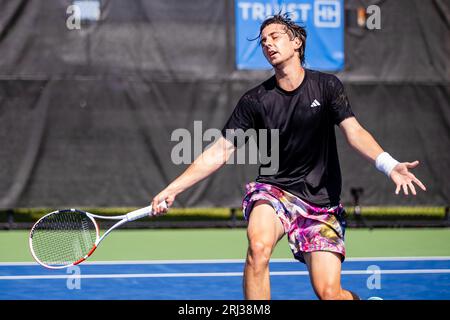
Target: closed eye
point(274, 35)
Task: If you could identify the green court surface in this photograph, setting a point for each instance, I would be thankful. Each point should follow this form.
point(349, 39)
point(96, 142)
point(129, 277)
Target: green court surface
point(177, 244)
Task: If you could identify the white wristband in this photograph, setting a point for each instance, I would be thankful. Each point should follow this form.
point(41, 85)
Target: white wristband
point(385, 163)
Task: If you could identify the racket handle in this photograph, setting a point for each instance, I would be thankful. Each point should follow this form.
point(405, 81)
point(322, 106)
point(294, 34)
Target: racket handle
point(143, 212)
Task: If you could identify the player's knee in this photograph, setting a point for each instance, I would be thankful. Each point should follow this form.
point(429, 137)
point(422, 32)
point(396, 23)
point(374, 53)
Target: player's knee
point(328, 292)
point(259, 253)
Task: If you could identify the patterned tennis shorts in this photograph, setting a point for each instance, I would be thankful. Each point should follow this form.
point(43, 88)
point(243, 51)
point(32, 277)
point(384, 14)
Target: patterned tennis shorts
point(309, 228)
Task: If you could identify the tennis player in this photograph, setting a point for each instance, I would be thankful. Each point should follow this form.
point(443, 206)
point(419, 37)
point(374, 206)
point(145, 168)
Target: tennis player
point(302, 199)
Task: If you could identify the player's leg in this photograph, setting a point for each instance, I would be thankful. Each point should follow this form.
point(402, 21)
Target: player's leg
point(325, 275)
point(264, 231)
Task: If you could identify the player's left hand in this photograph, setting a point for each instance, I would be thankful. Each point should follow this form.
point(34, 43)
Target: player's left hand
point(403, 178)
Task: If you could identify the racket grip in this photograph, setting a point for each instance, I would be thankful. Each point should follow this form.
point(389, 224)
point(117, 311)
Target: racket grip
point(143, 212)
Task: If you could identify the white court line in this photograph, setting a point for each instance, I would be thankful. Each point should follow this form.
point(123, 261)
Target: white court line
point(212, 274)
point(205, 261)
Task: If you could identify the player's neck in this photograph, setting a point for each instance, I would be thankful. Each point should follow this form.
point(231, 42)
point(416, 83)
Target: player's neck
point(289, 77)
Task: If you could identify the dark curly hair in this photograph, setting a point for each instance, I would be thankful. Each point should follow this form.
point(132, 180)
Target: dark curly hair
point(294, 31)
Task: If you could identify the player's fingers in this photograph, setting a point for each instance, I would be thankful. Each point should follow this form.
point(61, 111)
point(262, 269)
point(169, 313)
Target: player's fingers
point(405, 188)
point(413, 190)
point(397, 190)
point(170, 201)
point(420, 184)
point(412, 165)
point(417, 181)
point(163, 206)
point(156, 204)
point(165, 201)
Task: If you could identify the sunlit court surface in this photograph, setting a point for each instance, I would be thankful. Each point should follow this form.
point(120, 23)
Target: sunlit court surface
point(391, 278)
point(171, 275)
point(253, 151)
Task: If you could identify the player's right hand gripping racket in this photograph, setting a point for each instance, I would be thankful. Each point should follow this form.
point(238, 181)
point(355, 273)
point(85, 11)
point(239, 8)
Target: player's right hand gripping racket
point(67, 237)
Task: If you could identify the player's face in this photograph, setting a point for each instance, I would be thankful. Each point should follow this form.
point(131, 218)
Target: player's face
point(277, 46)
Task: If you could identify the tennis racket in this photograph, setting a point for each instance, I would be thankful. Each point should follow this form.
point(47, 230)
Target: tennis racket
point(65, 238)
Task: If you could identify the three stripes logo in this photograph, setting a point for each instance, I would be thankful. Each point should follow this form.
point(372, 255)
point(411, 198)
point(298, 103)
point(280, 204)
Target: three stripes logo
point(315, 103)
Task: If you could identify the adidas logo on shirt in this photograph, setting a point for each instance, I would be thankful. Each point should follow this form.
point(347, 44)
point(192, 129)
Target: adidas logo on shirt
point(315, 103)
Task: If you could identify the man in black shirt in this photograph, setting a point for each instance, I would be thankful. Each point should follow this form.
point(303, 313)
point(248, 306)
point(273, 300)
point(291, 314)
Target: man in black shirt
point(301, 199)
point(305, 119)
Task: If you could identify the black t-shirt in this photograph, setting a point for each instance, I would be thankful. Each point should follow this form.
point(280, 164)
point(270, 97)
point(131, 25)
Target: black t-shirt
point(305, 117)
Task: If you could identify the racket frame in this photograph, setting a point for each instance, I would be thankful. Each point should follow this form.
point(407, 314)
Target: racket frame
point(131, 216)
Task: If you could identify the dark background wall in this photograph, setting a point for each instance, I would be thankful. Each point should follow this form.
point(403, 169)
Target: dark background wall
point(86, 115)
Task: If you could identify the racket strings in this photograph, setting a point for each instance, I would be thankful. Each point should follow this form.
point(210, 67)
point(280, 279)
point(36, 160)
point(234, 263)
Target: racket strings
point(63, 238)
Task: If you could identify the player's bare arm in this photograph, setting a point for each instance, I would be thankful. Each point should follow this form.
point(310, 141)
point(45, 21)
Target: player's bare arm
point(363, 142)
point(207, 163)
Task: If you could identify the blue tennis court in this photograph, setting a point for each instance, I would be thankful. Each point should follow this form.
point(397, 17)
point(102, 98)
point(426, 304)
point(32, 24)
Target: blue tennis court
point(388, 278)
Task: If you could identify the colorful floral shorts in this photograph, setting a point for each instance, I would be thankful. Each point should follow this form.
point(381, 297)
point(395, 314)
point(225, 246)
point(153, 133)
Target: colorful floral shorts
point(309, 228)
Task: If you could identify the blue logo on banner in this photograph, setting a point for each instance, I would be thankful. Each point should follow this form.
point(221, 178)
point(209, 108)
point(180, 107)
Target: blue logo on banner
point(323, 20)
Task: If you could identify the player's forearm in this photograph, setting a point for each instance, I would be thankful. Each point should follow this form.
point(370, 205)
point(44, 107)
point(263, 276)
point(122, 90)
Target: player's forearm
point(206, 164)
point(196, 172)
point(363, 142)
